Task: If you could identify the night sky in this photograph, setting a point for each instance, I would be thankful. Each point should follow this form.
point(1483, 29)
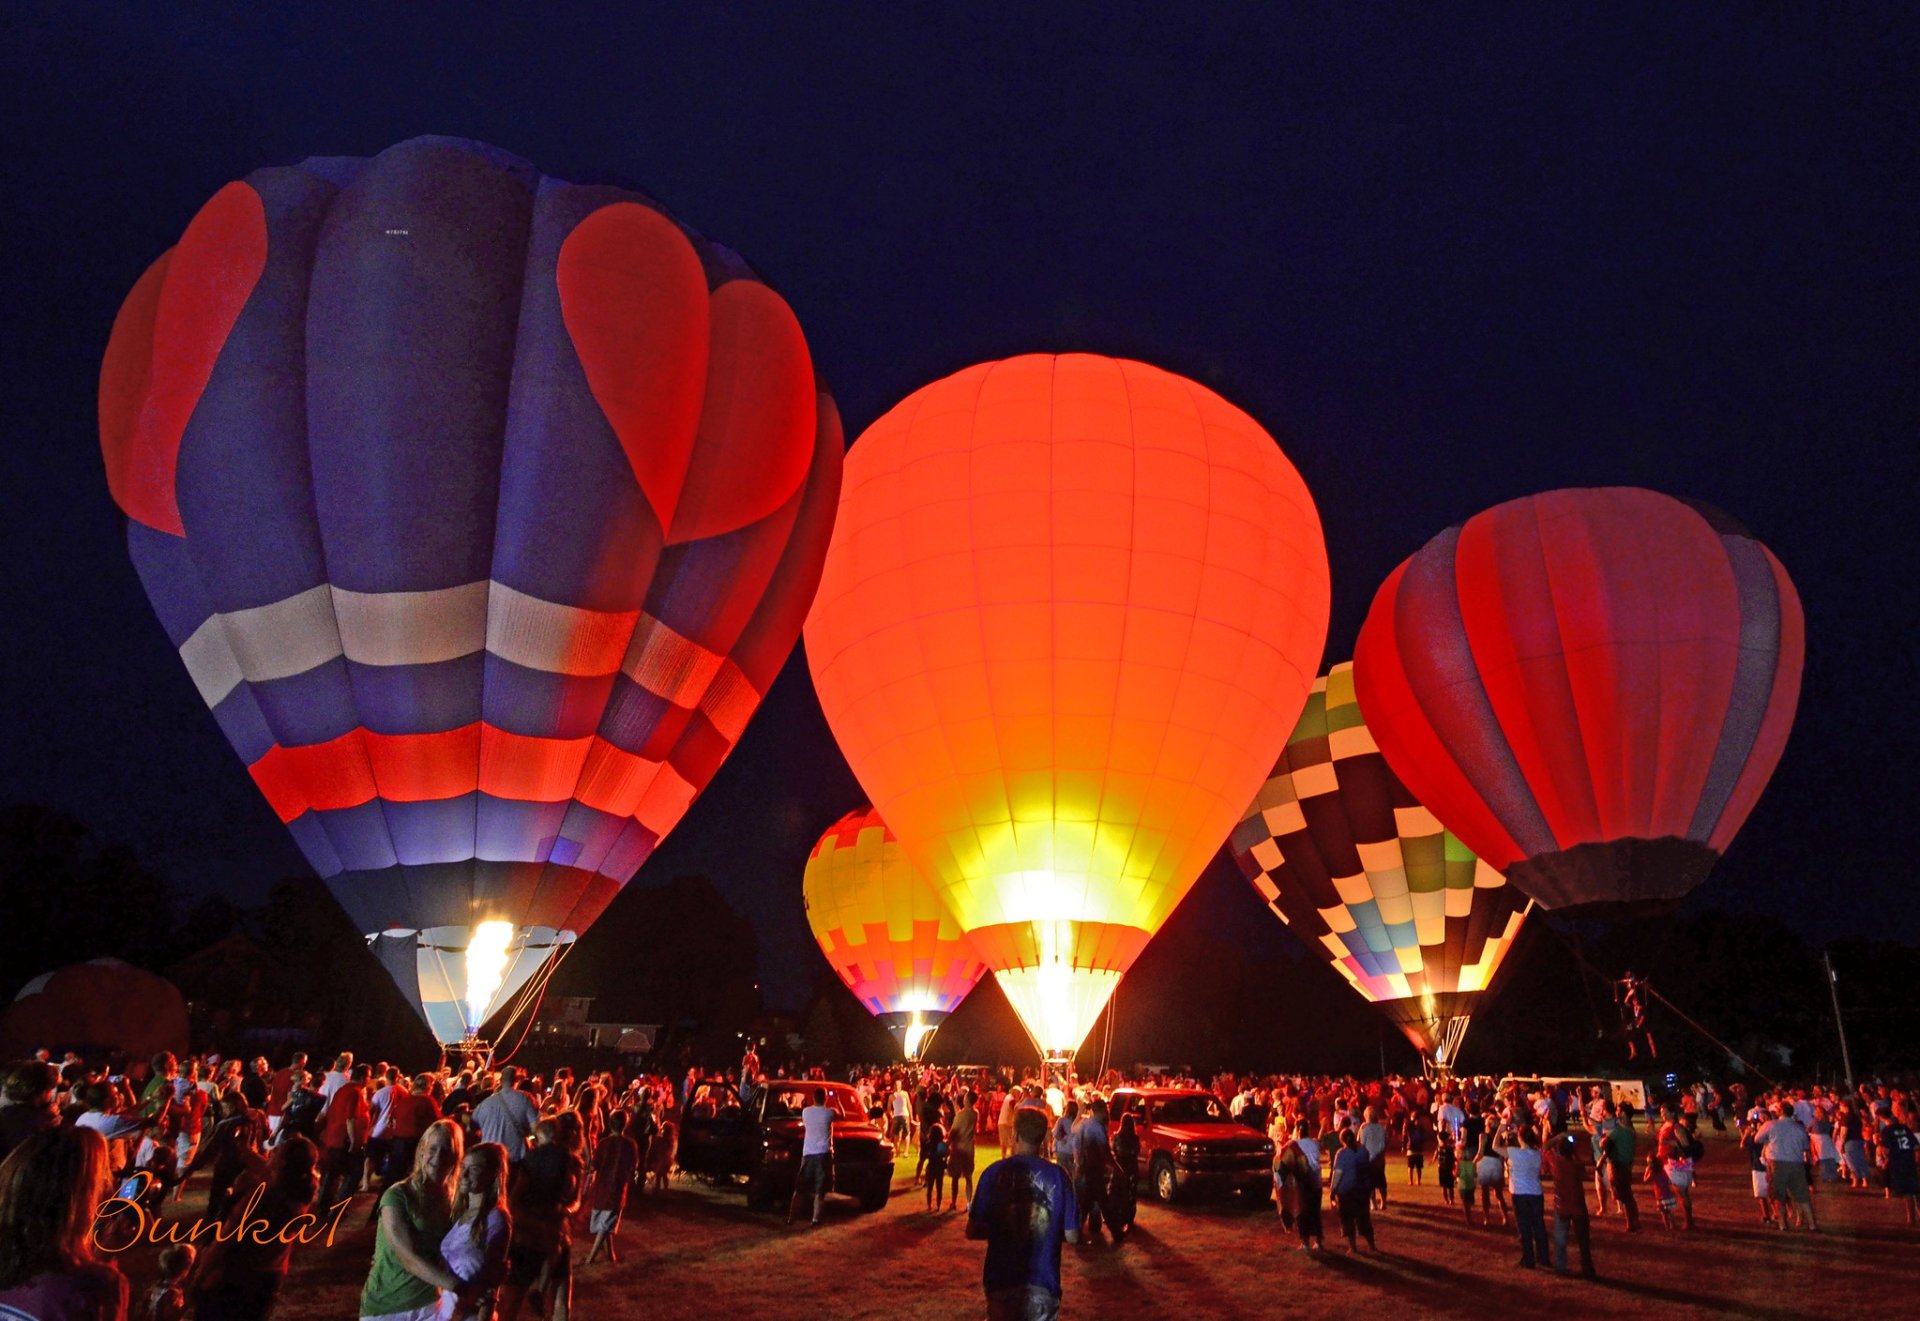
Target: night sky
point(1444, 261)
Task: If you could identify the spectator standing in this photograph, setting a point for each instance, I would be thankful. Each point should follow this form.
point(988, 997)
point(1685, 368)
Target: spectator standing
point(508, 1117)
point(1353, 1190)
point(1373, 1138)
point(1529, 1196)
point(29, 1102)
point(1787, 1146)
point(815, 1178)
point(1616, 1149)
point(343, 1138)
point(543, 1198)
point(408, 1274)
point(1302, 1161)
point(50, 1187)
point(961, 1139)
point(477, 1242)
point(240, 1278)
point(1756, 1153)
point(1898, 1154)
point(282, 1086)
point(338, 1076)
point(1564, 1167)
point(1024, 1210)
point(616, 1160)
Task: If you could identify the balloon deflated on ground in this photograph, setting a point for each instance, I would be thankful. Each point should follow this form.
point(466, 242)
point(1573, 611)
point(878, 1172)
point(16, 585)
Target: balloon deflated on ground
point(1072, 607)
point(95, 1008)
point(1589, 687)
point(483, 508)
point(1359, 870)
point(885, 931)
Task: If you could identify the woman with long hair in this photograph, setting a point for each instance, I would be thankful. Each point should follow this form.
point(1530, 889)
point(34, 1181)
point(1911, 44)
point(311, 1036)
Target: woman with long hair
point(475, 1247)
point(407, 1274)
point(51, 1187)
point(241, 1275)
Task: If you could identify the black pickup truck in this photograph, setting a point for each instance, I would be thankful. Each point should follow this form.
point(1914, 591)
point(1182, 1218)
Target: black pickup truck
point(758, 1143)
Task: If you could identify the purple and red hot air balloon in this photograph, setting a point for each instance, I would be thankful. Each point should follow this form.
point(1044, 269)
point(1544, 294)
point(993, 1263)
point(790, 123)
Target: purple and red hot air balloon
point(483, 508)
point(1589, 687)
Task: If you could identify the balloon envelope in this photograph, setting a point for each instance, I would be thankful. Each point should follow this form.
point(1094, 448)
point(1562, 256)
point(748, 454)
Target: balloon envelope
point(95, 1007)
point(1364, 874)
point(884, 929)
point(1072, 607)
point(1589, 687)
point(483, 508)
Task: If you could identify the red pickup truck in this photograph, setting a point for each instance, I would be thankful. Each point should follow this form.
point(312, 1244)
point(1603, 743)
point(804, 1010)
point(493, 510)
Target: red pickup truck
point(1190, 1144)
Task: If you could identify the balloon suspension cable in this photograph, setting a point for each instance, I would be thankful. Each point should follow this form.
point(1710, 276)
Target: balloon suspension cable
point(516, 1004)
point(1106, 1044)
point(1593, 1006)
point(1446, 1048)
point(1732, 1054)
point(545, 976)
point(1678, 1013)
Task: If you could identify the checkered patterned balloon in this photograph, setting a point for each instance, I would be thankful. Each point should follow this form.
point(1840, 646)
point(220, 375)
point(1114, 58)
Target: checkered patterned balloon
point(1348, 859)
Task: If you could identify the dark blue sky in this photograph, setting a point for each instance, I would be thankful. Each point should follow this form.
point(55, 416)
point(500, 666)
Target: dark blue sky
point(1446, 260)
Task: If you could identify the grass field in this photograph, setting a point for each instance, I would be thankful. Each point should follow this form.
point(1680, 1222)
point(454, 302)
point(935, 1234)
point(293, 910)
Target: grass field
point(698, 1252)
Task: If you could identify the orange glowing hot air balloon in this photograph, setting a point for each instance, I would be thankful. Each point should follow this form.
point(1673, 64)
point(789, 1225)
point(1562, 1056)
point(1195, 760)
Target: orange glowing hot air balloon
point(1071, 610)
point(885, 931)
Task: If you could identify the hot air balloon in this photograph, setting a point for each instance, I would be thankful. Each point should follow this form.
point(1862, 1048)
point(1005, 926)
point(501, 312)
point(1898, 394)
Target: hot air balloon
point(885, 931)
point(95, 1007)
point(1072, 607)
point(482, 507)
point(1588, 687)
point(1360, 871)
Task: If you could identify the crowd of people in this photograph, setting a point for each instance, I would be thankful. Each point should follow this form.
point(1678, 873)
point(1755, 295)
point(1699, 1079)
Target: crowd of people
point(480, 1177)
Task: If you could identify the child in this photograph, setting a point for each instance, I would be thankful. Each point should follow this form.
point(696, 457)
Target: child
point(660, 1154)
point(167, 1299)
point(1663, 1197)
point(1443, 1170)
point(1464, 1177)
point(614, 1162)
point(933, 1148)
point(475, 1248)
point(1757, 1164)
point(1419, 1139)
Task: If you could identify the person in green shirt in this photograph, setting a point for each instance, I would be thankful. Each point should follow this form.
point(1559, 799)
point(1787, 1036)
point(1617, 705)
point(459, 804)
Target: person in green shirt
point(1616, 1149)
point(408, 1274)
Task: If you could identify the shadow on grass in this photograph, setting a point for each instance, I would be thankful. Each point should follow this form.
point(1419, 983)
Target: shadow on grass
point(1116, 1289)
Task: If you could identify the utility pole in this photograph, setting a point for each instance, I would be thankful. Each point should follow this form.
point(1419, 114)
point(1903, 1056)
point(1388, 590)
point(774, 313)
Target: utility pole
point(1833, 989)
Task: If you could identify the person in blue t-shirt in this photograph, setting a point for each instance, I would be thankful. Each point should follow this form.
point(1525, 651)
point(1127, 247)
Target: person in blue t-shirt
point(1024, 1209)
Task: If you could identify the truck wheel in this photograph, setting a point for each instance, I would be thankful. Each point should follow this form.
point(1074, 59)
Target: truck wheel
point(1166, 1185)
point(874, 1197)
